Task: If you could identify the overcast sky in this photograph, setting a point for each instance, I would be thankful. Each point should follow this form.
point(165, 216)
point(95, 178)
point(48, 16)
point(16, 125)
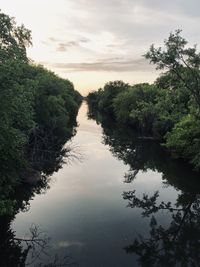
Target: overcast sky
point(91, 42)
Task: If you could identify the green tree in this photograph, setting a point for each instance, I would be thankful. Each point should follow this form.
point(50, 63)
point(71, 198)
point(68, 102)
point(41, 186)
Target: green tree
point(184, 140)
point(136, 107)
point(110, 91)
point(184, 62)
point(13, 39)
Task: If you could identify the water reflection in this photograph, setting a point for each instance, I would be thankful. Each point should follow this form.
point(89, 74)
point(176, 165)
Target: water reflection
point(143, 155)
point(15, 250)
point(47, 151)
point(45, 156)
point(85, 212)
point(177, 244)
point(173, 238)
point(30, 250)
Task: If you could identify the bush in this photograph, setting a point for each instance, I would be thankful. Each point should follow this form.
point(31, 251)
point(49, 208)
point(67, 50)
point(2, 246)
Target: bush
point(184, 140)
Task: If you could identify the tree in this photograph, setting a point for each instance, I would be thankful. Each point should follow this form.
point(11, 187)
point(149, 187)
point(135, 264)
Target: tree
point(136, 107)
point(13, 39)
point(184, 62)
point(184, 140)
point(16, 95)
point(110, 91)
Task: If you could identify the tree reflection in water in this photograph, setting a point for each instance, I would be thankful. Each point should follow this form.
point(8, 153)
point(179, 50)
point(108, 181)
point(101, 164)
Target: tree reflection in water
point(44, 159)
point(29, 250)
point(176, 243)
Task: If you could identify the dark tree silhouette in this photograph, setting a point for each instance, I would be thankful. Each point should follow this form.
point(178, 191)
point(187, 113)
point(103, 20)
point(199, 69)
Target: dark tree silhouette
point(175, 245)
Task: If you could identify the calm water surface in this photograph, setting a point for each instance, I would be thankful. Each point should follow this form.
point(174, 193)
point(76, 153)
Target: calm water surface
point(85, 211)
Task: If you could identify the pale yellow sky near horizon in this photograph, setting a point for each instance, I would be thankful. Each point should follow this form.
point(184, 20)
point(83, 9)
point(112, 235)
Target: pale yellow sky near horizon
point(91, 42)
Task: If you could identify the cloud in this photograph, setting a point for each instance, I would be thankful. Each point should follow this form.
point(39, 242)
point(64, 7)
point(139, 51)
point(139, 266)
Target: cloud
point(138, 19)
point(84, 40)
point(109, 65)
point(52, 39)
point(103, 36)
point(68, 243)
point(63, 47)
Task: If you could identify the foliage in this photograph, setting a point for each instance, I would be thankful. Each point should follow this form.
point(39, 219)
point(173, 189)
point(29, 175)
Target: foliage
point(166, 110)
point(93, 99)
point(149, 109)
point(56, 102)
point(37, 109)
point(103, 98)
point(136, 107)
point(184, 62)
point(17, 118)
point(184, 140)
point(13, 39)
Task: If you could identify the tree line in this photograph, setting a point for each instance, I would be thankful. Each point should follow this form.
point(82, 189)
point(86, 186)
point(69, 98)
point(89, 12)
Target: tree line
point(167, 110)
point(37, 110)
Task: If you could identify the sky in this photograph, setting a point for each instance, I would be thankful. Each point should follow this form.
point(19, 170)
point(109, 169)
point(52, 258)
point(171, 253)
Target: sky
point(91, 42)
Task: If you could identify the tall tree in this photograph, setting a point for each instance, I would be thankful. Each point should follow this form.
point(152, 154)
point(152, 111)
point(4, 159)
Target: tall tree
point(180, 59)
point(13, 39)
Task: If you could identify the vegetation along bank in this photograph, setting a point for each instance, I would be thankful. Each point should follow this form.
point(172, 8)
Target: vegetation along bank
point(167, 110)
point(37, 110)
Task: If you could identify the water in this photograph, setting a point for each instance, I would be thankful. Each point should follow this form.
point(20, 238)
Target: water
point(87, 217)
